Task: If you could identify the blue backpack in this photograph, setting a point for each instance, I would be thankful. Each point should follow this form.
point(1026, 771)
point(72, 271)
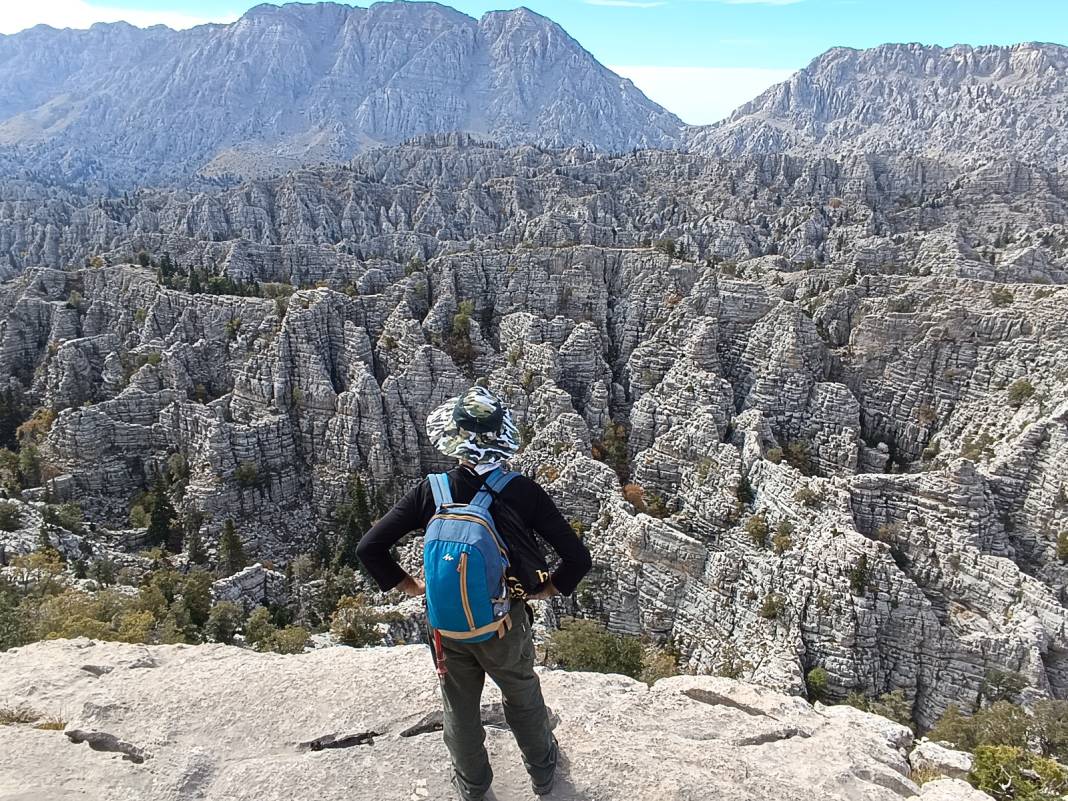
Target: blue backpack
point(464, 562)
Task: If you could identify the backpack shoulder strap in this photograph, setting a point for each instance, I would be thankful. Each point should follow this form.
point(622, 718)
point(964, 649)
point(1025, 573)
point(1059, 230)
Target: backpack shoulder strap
point(492, 484)
point(439, 485)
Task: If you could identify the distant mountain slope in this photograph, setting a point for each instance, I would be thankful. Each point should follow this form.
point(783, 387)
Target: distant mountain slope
point(117, 105)
point(958, 104)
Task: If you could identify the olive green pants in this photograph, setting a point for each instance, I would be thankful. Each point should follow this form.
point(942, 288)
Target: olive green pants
point(509, 661)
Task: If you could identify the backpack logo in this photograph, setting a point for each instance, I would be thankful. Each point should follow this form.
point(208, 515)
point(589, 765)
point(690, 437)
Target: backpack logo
point(448, 557)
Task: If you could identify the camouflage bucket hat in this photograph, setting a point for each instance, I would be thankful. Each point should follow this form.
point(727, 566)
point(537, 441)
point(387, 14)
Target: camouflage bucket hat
point(475, 427)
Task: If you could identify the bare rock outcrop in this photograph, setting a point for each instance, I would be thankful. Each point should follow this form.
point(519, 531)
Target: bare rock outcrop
point(219, 721)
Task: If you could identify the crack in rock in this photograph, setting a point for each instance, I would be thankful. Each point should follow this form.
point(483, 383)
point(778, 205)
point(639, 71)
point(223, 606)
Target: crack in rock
point(97, 670)
point(718, 699)
point(102, 741)
point(339, 741)
point(772, 736)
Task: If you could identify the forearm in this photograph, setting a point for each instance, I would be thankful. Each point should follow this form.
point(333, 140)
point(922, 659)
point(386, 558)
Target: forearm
point(375, 545)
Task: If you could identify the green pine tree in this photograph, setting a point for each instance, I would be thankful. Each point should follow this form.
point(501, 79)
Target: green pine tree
point(323, 550)
point(44, 537)
point(231, 551)
point(194, 281)
point(194, 545)
point(161, 518)
point(355, 517)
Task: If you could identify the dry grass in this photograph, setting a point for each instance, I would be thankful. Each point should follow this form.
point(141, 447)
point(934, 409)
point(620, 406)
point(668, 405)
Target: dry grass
point(925, 775)
point(10, 716)
point(50, 724)
point(16, 715)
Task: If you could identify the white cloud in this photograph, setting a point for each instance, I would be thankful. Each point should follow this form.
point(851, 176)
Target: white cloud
point(701, 95)
point(16, 15)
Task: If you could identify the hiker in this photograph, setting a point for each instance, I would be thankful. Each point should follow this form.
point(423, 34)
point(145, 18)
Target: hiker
point(485, 629)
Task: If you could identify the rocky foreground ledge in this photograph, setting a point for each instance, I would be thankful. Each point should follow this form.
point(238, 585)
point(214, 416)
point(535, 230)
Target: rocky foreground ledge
point(220, 722)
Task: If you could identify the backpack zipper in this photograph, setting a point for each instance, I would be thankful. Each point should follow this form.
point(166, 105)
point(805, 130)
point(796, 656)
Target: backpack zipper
point(462, 569)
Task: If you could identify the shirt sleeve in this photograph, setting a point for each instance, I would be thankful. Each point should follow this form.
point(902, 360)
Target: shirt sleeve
point(550, 525)
point(407, 515)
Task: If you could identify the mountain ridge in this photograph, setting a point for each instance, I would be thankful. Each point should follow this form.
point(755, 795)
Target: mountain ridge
point(301, 83)
point(961, 104)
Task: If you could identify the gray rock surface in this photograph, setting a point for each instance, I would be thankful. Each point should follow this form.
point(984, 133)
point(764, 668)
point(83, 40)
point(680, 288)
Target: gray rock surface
point(223, 722)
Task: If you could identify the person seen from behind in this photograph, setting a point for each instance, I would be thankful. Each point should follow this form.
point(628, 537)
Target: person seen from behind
point(482, 562)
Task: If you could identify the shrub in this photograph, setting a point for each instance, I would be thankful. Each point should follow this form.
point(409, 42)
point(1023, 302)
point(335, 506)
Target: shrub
point(1010, 773)
point(895, 706)
point(757, 529)
point(102, 616)
point(37, 427)
point(1000, 724)
point(1001, 685)
point(858, 575)
point(1020, 391)
point(259, 628)
point(816, 683)
point(665, 246)
point(290, 640)
point(774, 455)
point(10, 516)
point(731, 665)
point(459, 342)
point(782, 541)
point(892, 705)
point(797, 455)
point(66, 515)
point(103, 572)
point(1001, 297)
point(612, 449)
point(635, 496)
point(932, 451)
point(30, 465)
point(773, 606)
point(809, 496)
point(744, 491)
point(223, 622)
point(247, 474)
point(587, 645)
point(1062, 546)
point(656, 506)
point(975, 448)
point(658, 663)
point(355, 624)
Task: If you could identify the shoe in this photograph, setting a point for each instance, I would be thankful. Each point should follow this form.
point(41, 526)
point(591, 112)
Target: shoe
point(546, 787)
point(543, 789)
point(460, 794)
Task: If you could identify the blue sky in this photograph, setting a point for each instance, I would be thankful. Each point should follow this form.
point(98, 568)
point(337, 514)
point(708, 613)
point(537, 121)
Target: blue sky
point(699, 58)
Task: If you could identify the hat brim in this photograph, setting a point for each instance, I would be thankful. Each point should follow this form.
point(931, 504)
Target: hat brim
point(447, 436)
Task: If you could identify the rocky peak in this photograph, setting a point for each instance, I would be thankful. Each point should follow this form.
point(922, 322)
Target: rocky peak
point(287, 85)
point(958, 103)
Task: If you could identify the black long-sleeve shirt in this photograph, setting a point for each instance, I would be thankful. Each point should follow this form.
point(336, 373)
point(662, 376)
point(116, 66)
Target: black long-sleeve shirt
point(520, 510)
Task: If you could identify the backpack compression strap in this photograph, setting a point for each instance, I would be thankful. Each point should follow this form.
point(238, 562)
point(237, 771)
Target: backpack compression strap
point(439, 485)
point(496, 481)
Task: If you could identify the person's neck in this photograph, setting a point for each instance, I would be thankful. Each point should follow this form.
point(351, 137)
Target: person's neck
point(482, 468)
